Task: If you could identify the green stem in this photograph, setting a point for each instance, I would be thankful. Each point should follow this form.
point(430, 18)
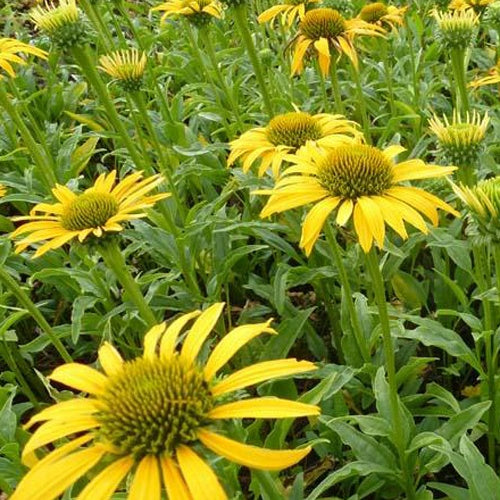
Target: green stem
point(362, 104)
point(372, 264)
point(241, 20)
point(114, 259)
point(339, 105)
point(165, 167)
point(483, 272)
point(42, 161)
point(357, 330)
point(35, 313)
point(205, 37)
point(81, 56)
point(457, 57)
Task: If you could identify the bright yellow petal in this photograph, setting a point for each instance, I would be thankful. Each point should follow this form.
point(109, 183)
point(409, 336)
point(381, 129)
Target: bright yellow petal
point(107, 481)
point(323, 49)
point(110, 359)
point(286, 200)
point(169, 339)
point(50, 481)
point(373, 216)
point(80, 377)
point(151, 340)
point(66, 410)
point(362, 229)
point(261, 371)
point(200, 330)
point(251, 456)
point(344, 212)
point(231, 343)
point(417, 169)
point(314, 222)
point(56, 429)
point(174, 483)
point(146, 484)
point(200, 478)
point(264, 408)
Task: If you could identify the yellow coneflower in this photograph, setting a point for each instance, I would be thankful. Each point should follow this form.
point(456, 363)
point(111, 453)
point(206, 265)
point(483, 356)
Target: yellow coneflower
point(199, 11)
point(477, 5)
point(100, 209)
point(457, 29)
point(289, 11)
point(359, 181)
point(493, 77)
point(126, 66)
point(381, 14)
point(62, 23)
point(483, 204)
point(326, 29)
point(286, 134)
point(460, 140)
point(10, 48)
point(148, 417)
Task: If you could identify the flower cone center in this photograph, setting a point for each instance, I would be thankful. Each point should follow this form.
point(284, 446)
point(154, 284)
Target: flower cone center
point(353, 171)
point(322, 23)
point(89, 210)
point(373, 12)
point(293, 130)
point(153, 406)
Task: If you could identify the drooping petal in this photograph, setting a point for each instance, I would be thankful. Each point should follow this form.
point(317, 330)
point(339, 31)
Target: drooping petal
point(107, 481)
point(200, 330)
point(251, 456)
point(151, 340)
point(417, 169)
point(80, 377)
point(269, 407)
point(259, 372)
point(373, 216)
point(362, 229)
point(314, 222)
point(174, 483)
point(231, 343)
point(200, 478)
point(344, 212)
point(50, 481)
point(146, 484)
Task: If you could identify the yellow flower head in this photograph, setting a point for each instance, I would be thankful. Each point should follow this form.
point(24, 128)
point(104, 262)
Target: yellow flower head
point(126, 66)
point(483, 204)
point(101, 208)
point(359, 181)
point(197, 11)
point(476, 5)
point(460, 141)
point(326, 29)
point(286, 134)
point(288, 11)
point(381, 14)
point(493, 77)
point(62, 23)
point(3, 190)
point(10, 49)
point(146, 417)
point(457, 29)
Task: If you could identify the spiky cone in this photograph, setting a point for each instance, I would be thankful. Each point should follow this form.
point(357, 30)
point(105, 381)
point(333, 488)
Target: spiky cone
point(101, 209)
point(288, 11)
point(358, 181)
point(197, 12)
point(322, 31)
point(482, 202)
point(461, 141)
point(387, 16)
point(126, 67)
point(63, 23)
point(10, 50)
point(144, 418)
point(456, 29)
point(286, 134)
